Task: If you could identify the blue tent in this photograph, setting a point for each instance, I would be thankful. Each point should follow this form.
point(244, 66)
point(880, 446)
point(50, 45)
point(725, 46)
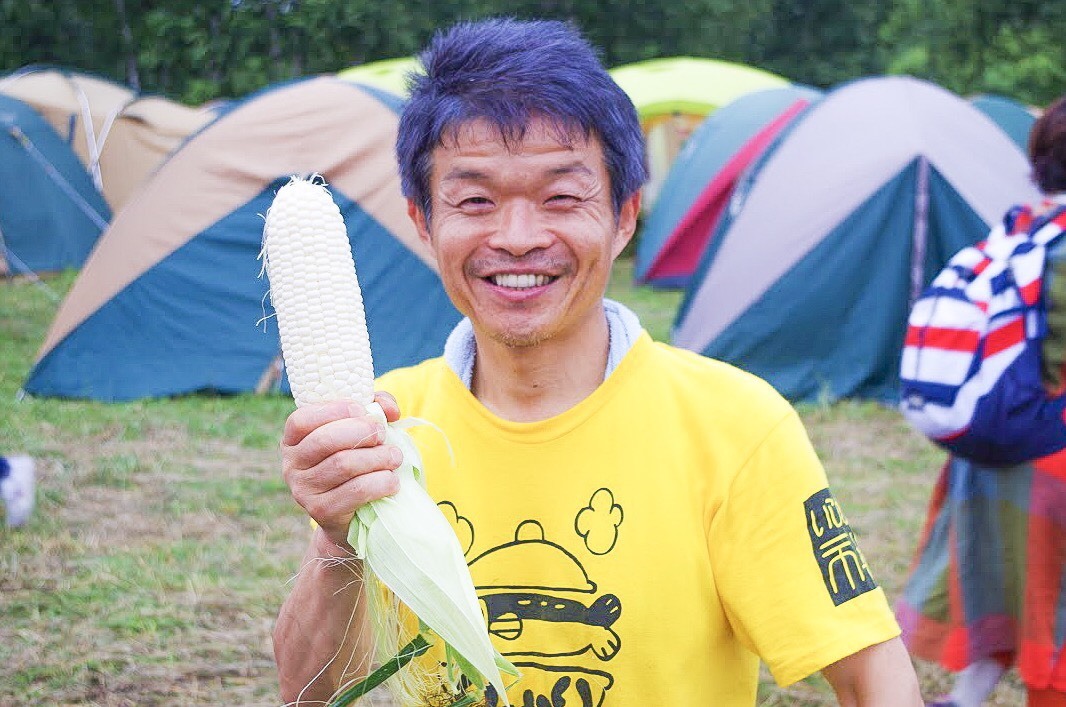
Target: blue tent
point(1011, 116)
point(701, 178)
point(172, 300)
point(809, 279)
point(51, 213)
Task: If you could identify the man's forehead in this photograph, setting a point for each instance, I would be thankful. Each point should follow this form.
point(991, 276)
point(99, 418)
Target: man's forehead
point(538, 132)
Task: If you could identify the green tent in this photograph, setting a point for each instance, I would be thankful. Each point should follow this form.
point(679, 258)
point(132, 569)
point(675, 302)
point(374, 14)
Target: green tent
point(688, 85)
point(388, 74)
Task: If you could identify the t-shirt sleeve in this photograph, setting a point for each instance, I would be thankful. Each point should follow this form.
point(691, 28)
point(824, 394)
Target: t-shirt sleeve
point(794, 584)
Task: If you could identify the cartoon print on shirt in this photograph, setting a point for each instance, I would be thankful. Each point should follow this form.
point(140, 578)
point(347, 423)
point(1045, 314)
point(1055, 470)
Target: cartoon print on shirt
point(523, 613)
point(598, 522)
point(464, 529)
point(518, 608)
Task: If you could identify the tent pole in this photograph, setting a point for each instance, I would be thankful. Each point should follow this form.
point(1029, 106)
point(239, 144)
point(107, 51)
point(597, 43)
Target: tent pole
point(920, 231)
point(7, 257)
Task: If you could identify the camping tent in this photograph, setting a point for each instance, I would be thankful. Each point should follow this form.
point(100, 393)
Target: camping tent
point(79, 106)
point(50, 212)
point(809, 280)
point(120, 137)
point(1011, 116)
point(688, 85)
point(673, 95)
point(388, 74)
point(698, 185)
point(138, 140)
point(171, 301)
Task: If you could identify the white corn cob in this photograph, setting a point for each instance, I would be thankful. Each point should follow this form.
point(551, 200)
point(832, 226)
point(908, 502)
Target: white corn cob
point(316, 294)
point(405, 539)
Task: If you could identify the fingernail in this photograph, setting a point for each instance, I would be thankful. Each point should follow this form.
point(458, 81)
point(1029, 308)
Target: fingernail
point(395, 456)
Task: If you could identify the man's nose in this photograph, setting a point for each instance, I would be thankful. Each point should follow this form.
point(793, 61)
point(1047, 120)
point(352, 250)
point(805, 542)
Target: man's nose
point(520, 229)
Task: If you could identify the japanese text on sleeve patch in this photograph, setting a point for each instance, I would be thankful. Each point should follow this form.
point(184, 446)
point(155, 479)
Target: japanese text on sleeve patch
point(843, 567)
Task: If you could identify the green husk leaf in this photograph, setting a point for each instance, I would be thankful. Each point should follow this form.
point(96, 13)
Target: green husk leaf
point(411, 548)
point(412, 650)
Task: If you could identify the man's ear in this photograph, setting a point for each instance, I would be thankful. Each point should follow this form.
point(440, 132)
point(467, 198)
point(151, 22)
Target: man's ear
point(627, 223)
point(421, 224)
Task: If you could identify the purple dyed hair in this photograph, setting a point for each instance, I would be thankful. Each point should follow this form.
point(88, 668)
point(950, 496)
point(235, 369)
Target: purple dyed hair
point(508, 72)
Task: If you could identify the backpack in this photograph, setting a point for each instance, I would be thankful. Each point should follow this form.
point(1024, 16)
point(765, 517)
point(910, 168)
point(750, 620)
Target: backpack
point(970, 370)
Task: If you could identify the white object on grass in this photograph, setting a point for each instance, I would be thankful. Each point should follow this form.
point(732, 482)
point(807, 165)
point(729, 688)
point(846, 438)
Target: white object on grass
point(17, 490)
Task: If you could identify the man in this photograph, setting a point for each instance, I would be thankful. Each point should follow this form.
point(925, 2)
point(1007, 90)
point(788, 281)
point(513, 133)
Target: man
point(642, 524)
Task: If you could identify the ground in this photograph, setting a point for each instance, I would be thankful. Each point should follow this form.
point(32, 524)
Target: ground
point(164, 536)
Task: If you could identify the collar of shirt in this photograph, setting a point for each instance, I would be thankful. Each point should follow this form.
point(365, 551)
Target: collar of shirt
point(623, 328)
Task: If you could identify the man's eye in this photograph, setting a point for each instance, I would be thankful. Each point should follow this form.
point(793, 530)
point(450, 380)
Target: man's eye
point(562, 199)
point(475, 202)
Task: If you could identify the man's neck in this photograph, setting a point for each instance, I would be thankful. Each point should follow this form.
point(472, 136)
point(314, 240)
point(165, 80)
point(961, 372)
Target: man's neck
point(528, 384)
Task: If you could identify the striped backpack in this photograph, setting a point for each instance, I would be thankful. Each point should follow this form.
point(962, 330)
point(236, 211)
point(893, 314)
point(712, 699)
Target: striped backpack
point(970, 370)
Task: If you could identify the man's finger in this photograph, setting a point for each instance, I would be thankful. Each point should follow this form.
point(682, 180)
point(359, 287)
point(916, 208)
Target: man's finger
point(302, 421)
point(342, 467)
point(332, 437)
point(388, 404)
point(338, 505)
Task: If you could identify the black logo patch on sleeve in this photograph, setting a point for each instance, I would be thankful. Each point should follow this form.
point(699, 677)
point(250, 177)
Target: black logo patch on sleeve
point(843, 567)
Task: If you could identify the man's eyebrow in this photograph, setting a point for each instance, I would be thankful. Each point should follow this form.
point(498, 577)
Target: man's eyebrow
point(460, 174)
point(576, 167)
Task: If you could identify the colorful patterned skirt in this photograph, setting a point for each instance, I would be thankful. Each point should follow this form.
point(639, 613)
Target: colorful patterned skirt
point(989, 575)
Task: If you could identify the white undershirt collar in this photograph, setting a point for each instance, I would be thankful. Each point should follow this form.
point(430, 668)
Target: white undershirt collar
point(623, 328)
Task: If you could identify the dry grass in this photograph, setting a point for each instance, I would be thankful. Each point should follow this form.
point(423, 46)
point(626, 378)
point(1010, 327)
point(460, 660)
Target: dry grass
point(141, 583)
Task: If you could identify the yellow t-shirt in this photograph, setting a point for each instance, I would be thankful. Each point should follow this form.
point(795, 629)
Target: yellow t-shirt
point(649, 545)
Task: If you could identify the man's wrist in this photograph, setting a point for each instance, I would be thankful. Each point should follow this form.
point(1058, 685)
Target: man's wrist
point(326, 547)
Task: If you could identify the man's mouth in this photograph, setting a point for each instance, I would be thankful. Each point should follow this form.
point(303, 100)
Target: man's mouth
point(520, 282)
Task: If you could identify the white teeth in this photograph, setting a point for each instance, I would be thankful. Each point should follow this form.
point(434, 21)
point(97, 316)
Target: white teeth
point(520, 281)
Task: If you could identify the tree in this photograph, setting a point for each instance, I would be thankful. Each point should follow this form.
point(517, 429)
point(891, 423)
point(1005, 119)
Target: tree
point(974, 46)
point(197, 50)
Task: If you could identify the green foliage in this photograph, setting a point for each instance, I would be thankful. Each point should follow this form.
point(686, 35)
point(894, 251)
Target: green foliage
point(197, 50)
point(1011, 48)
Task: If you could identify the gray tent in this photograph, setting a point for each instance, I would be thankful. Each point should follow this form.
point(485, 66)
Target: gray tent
point(808, 280)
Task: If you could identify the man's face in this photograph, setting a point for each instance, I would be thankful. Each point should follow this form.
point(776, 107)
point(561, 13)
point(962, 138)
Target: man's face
point(524, 236)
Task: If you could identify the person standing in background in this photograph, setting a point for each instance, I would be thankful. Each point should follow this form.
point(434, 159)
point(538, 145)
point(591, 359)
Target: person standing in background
point(987, 589)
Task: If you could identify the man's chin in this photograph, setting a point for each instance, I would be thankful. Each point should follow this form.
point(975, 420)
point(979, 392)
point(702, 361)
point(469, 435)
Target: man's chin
point(519, 340)
point(520, 332)
point(521, 337)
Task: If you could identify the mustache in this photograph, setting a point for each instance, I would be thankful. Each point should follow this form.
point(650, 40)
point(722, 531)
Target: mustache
point(534, 262)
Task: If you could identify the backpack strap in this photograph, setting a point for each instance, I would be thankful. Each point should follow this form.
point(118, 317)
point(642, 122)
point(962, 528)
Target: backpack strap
point(1018, 219)
point(1047, 228)
point(1030, 237)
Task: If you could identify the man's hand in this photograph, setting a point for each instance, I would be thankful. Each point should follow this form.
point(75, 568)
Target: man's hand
point(334, 461)
point(881, 675)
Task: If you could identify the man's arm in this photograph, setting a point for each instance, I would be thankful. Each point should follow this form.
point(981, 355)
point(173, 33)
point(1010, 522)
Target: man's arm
point(880, 675)
point(321, 636)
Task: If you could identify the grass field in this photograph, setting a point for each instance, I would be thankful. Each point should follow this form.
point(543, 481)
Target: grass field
point(164, 537)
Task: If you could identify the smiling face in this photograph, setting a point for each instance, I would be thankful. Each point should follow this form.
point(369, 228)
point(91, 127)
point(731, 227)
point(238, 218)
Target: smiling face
point(524, 233)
